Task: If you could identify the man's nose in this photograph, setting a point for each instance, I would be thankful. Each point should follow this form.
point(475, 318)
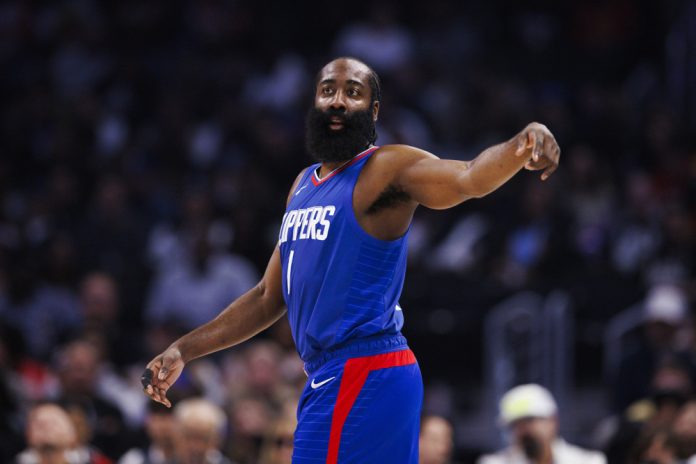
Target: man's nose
point(338, 101)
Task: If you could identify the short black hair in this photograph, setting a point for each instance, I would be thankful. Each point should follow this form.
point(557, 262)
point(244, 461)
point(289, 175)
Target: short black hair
point(375, 85)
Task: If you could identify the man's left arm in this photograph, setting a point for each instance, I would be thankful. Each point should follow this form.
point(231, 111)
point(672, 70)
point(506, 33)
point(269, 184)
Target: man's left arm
point(440, 183)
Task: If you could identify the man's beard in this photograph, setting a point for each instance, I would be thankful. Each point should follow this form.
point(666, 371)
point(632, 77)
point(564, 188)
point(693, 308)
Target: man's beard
point(327, 145)
point(531, 447)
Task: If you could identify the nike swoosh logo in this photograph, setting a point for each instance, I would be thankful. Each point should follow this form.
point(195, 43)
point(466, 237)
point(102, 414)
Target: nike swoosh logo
point(300, 189)
point(317, 385)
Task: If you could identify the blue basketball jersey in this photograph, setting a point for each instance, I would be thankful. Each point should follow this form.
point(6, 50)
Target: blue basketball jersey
point(340, 284)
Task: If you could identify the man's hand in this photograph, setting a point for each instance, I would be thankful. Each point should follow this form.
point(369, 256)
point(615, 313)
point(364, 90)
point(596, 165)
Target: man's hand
point(161, 373)
point(545, 152)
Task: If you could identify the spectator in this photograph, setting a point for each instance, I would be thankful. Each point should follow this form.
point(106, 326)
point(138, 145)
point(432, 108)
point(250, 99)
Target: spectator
point(277, 444)
point(665, 313)
point(85, 433)
point(655, 446)
point(529, 412)
point(251, 417)
point(436, 441)
point(362, 39)
point(161, 434)
point(200, 428)
point(100, 308)
point(78, 366)
point(645, 425)
point(51, 437)
point(206, 280)
point(684, 430)
point(43, 313)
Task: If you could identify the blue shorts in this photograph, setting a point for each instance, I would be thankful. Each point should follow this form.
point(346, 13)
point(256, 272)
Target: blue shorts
point(361, 410)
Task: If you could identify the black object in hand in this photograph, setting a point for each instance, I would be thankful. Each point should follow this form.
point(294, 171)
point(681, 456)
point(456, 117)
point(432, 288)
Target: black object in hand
point(146, 378)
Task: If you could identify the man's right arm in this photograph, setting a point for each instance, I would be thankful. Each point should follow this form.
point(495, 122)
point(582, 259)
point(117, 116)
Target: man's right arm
point(248, 315)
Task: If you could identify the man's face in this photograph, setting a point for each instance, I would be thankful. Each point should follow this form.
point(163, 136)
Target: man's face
point(342, 121)
point(534, 435)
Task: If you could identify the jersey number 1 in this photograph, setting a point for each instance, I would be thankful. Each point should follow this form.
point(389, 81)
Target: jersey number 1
point(292, 254)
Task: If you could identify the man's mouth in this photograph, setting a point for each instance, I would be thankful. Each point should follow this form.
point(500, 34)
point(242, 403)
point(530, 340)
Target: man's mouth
point(336, 123)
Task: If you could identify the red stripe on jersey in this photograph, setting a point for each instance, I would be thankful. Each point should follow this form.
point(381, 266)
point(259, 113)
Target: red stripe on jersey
point(316, 181)
point(355, 374)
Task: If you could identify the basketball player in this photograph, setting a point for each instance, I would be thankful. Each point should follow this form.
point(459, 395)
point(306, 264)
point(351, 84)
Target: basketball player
point(339, 269)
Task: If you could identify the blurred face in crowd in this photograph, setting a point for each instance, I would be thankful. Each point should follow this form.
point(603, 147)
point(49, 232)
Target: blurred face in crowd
point(263, 361)
point(278, 444)
point(671, 387)
point(78, 365)
point(199, 425)
point(342, 121)
point(194, 440)
point(50, 434)
point(99, 298)
point(435, 442)
point(160, 428)
point(250, 417)
point(534, 436)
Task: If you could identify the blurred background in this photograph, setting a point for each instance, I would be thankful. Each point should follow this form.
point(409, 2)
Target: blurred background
point(147, 148)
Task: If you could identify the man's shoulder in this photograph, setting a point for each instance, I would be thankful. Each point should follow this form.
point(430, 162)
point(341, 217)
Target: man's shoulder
point(401, 150)
point(394, 157)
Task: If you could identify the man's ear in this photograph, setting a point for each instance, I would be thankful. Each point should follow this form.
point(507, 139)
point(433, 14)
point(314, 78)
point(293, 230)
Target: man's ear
point(375, 110)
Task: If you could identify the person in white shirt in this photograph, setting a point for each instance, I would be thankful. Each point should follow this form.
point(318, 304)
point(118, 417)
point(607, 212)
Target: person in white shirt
point(530, 413)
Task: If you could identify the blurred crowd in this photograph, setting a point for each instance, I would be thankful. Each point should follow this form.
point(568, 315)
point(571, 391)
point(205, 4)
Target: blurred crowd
point(147, 148)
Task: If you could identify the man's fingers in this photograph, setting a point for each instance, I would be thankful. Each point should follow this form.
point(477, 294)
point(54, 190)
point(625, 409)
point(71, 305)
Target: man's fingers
point(154, 394)
point(163, 372)
point(162, 397)
point(538, 148)
point(521, 145)
point(550, 170)
point(146, 378)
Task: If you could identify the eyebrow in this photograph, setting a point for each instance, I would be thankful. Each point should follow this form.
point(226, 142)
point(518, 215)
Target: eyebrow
point(349, 81)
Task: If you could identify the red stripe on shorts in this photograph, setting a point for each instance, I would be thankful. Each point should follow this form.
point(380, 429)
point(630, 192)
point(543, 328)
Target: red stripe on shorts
point(355, 373)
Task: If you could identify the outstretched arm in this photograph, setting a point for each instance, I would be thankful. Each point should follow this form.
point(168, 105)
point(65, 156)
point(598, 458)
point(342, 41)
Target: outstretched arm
point(439, 184)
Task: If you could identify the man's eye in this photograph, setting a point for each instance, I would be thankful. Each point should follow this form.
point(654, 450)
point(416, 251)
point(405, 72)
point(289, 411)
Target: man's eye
point(327, 91)
point(353, 92)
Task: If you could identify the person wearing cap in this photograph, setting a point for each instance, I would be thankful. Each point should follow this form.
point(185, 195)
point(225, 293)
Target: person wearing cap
point(529, 412)
point(665, 313)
